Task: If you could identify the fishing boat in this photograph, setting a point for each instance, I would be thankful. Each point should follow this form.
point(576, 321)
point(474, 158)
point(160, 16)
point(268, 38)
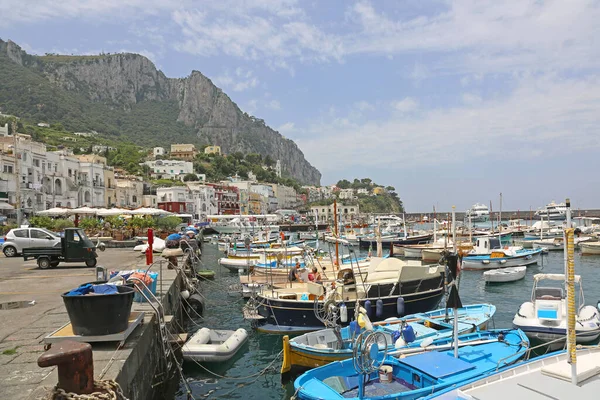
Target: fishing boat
point(544, 377)
point(544, 318)
point(243, 224)
point(552, 212)
point(550, 244)
point(590, 248)
point(387, 241)
point(291, 309)
point(502, 275)
point(432, 254)
point(263, 257)
point(213, 345)
point(315, 349)
point(489, 254)
point(478, 213)
point(381, 376)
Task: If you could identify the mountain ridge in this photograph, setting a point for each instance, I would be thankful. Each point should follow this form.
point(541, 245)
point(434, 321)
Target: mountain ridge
point(125, 94)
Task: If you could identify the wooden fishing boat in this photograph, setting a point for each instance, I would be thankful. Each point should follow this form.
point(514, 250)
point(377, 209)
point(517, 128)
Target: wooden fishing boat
point(590, 248)
point(419, 375)
point(321, 347)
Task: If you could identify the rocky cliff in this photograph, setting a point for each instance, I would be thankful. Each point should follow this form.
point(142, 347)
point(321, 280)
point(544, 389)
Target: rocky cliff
point(129, 82)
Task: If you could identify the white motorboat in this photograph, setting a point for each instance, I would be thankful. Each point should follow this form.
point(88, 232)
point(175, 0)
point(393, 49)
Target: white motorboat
point(510, 274)
point(432, 254)
point(545, 317)
point(550, 244)
point(214, 345)
point(489, 254)
point(590, 248)
point(552, 212)
point(478, 213)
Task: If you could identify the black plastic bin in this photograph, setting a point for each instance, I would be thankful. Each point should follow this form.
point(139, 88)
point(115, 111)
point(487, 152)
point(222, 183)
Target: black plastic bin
point(101, 314)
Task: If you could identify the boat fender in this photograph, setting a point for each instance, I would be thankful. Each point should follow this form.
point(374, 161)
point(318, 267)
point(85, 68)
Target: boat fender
point(427, 342)
point(185, 294)
point(379, 308)
point(195, 302)
point(485, 261)
point(354, 327)
point(365, 322)
point(343, 313)
point(399, 343)
point(368, 308)
point(400, 306)
point(408, 334)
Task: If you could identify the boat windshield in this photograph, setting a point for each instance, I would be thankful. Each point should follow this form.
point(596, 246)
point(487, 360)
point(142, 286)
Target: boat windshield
point(548, 293)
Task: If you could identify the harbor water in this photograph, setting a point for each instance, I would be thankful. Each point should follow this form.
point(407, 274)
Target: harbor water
point(244, 377)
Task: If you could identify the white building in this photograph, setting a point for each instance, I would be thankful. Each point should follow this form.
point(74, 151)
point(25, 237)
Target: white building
point(177, 199)
point(4, 130)
point(98, 148)
point(325, 213)
point(278, 168)
point(362, 191)
point(170, 169)
point(130, 191)
point(149, 200)
point(203, 200)
point(159, 151)
point(346, 194)
point(286, 196)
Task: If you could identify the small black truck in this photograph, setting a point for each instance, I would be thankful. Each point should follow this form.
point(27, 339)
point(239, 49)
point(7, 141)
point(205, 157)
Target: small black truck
point(74, 246)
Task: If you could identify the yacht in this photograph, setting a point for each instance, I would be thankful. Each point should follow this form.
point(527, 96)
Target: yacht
point(478, 213)
point(552, 212)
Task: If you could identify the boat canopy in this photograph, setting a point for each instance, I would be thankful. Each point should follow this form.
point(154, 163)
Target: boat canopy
point(554, 277)
point(241, 216)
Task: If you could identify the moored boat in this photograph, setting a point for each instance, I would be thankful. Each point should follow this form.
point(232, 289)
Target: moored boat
point(590, 248)
point(501, 275)
point(416, 376)
point(544, 317)
point(488, 254)
point(213, 345)
point(321, 347)
point(385, 281)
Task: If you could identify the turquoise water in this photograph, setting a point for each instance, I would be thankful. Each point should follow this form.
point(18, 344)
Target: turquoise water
point(225, 312)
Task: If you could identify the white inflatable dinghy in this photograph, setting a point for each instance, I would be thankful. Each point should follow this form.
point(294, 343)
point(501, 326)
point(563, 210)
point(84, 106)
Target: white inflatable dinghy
point(214, 345)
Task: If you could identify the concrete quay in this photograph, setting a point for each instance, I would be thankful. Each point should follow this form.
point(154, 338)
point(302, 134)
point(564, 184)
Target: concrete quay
point(137, 366)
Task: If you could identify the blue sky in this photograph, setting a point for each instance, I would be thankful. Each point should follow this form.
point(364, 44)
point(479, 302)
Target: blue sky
point(451, 102)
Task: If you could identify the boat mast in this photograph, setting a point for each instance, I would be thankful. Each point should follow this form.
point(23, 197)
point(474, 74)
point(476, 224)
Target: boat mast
point(491, 219)
point(454, 228)
point(335, 222)
point(500, 220)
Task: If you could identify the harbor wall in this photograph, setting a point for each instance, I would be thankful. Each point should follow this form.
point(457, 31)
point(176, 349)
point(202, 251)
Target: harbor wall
point(144, 374)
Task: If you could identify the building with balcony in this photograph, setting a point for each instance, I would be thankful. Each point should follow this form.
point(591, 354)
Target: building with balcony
point(346, 213)
point(176, 199)
point(266, 190)
point(227, 199)
point(129, 191)
point(203, 199)
point(184, 151)
point(169, 169)
point(286, 196)
point(212, 150)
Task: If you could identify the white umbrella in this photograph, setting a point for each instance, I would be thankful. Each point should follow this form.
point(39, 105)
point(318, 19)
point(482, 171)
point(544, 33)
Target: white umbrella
point(113, 211)
point(55, 212)
point(84, 211)
point(150, 211)
point(5, 206)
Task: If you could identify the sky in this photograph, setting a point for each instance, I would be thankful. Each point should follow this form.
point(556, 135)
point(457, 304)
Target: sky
point(450, 102)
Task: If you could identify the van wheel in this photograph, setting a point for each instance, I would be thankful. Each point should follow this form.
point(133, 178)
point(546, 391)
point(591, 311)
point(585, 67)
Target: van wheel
point(43, 262)
point(91, 263)
point(10, 251)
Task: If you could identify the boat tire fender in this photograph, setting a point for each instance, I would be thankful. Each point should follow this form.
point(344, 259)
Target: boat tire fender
point(195, 302)
point(400, 306)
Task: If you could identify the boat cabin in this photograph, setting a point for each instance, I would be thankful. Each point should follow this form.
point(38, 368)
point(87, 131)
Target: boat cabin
point(485, 245)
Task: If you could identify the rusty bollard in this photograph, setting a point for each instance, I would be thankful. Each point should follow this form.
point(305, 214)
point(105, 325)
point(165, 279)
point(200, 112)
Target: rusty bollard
point(75, 365)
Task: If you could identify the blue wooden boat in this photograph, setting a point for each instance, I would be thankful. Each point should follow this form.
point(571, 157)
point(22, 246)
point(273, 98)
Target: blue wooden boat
point(321, 347)
point(489, 253)
point(419, 375)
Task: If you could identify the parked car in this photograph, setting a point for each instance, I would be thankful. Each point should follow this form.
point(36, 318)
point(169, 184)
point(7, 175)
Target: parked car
point(74, 246)
point(24, 238)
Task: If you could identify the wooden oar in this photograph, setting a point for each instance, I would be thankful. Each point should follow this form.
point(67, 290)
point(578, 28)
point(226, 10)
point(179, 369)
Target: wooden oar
point(415, 350)
point(379, 323)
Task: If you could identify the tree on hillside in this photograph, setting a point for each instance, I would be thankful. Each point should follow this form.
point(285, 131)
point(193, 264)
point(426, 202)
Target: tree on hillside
point(343, 184)
point(254, 158)
point(190, 178)
point(268, 161)
point(366, 181)
point(390, 188)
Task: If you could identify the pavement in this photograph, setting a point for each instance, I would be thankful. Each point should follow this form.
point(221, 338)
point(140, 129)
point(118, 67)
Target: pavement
point(22, 330)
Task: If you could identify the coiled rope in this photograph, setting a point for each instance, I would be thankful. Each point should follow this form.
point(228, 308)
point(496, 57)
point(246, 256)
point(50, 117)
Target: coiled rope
point(104, 390)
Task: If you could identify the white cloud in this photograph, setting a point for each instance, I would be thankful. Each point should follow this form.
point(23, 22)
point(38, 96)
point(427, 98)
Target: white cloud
point(364, 106)
point(287, 128)
point(471, 98)
point(238, 81)
point(405, 105)
point(273, 105)
point(547, 114)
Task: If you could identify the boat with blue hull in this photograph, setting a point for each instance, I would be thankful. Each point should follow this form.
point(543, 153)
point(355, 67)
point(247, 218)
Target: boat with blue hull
point(415, 376)
point(315, 349)
point(489, 253)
